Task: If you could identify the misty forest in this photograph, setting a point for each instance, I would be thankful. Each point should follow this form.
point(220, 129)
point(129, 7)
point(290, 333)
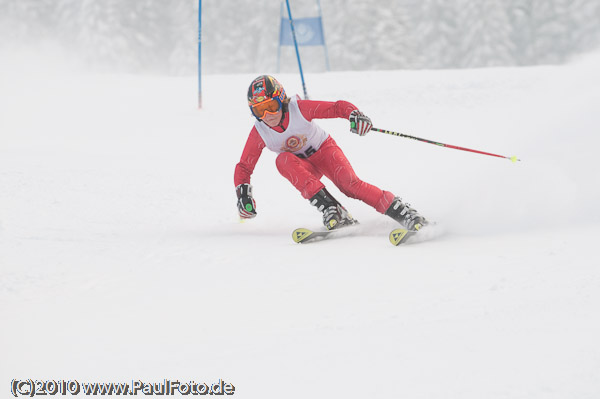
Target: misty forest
point(242, 36)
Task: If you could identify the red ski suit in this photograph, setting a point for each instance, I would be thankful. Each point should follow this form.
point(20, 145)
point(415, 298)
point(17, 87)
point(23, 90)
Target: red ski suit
point(328, 160)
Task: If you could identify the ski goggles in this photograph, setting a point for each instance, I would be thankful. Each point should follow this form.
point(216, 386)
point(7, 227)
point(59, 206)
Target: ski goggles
point(271, 106)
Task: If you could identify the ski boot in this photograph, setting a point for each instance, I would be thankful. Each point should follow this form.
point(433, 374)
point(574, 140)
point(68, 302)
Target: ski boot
point(334, 214)
point(405, 215)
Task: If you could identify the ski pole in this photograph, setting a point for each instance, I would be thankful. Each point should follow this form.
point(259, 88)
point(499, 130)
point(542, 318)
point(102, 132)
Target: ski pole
point(513, 158)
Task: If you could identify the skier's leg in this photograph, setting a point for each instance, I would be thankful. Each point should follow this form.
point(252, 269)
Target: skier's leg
point(330, 159)
point(300, 173)
point(306, 178)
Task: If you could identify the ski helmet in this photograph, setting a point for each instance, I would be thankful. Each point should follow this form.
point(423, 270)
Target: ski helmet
point(261, 93)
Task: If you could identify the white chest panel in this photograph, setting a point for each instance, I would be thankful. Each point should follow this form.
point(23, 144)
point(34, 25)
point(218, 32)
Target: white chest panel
point(301, 137)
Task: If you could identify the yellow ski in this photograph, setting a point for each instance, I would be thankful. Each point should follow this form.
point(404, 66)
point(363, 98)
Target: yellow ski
point(300, 235)
point(398, 236)
point(303, 235)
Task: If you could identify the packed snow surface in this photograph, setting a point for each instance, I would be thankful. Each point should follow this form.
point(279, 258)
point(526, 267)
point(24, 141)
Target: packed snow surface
point(122, 257)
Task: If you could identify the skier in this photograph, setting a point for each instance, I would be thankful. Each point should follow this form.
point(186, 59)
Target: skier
point(306, 153)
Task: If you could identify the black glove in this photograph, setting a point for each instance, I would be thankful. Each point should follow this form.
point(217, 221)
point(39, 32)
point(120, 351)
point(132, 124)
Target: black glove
point(246, 205)
point(359, 123)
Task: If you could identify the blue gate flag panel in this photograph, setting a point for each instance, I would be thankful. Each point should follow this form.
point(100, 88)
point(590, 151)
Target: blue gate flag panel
point(309, 32)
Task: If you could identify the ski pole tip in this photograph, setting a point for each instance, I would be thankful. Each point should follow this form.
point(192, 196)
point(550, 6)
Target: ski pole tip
point(514, 159)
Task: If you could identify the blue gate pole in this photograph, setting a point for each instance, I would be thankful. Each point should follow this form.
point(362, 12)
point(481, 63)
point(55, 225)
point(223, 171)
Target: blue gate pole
point(280, 32)
point(199, 53)
point(296, 45)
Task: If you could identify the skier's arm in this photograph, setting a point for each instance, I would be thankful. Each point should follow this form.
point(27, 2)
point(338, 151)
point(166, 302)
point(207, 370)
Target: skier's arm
point(325, 109)
point(252, 150)
point(243, 171)
point(359, 122)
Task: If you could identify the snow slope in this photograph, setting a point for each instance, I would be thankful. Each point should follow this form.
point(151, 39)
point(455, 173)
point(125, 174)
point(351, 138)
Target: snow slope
point(121, 255)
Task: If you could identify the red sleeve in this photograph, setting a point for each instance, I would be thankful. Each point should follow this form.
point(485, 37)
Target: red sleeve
point(325, 109)
point(250, 155)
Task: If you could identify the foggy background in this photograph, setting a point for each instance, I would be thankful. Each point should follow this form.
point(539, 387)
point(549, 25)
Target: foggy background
point(241, 36)
point(120, 235)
